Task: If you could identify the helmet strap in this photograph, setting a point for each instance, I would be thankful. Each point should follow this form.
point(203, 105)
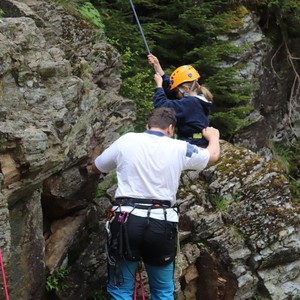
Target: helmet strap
point(193, 85)
point(183, 92)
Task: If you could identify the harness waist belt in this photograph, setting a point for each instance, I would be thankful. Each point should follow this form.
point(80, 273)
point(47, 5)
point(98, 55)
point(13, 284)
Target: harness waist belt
point(133, 201)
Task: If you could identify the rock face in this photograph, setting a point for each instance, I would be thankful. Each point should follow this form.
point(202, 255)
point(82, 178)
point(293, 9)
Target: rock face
point(59, 83)
point(273, 118)
point(56, 114)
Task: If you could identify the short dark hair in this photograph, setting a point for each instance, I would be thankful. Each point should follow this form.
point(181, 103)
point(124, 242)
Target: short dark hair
point(162, 117)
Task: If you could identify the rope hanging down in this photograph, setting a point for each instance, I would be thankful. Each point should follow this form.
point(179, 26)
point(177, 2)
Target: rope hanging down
point(3, 276)
point(140, 27)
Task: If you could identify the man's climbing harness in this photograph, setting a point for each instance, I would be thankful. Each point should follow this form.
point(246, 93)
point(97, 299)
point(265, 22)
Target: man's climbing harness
point(3, 277)
point(118, 247)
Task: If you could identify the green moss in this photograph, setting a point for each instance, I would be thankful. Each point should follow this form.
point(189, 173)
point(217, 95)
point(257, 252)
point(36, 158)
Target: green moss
point(101, 101)
point(241, 11)
point(238, 195)
point(89, 12)
point(109, 180)
point(279, 182)
point(235, 232)
point(1, 14)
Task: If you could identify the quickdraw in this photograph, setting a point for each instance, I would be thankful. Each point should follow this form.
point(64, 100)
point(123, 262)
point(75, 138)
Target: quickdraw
point(111, 215)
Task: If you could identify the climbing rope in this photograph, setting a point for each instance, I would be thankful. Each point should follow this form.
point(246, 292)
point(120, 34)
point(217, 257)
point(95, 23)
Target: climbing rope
point(3, 277)
point(141, 30)
point(140, 27)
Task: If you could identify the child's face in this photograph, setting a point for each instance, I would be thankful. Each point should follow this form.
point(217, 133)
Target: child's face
point(179, 94)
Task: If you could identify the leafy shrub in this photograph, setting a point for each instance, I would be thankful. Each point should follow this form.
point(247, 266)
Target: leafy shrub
point(56, 281)
point(137, 85)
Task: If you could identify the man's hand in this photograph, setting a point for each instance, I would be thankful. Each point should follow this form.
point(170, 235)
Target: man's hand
point(212, 135)
point(92, 169)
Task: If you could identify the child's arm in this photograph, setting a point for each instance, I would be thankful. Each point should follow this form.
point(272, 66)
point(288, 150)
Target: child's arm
point(153, 60)
point(158, 79)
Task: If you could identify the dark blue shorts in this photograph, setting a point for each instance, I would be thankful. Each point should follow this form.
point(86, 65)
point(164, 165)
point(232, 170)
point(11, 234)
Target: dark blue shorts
point(154, 241)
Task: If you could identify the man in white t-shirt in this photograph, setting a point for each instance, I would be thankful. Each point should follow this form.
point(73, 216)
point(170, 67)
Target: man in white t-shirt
point(144, 218)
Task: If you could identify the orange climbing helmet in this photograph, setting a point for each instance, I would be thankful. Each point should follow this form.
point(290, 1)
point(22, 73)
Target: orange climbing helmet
point(183, 74)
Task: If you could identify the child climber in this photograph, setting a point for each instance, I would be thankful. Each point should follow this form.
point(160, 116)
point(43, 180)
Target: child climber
point(180, 92)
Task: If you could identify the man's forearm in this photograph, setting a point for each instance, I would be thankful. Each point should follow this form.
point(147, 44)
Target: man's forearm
point(214, 150)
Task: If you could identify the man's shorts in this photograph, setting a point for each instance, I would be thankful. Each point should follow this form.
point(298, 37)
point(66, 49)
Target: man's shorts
point(154, 241)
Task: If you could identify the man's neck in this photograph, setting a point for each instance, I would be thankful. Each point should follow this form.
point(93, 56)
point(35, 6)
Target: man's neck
point(168, 131)
point(164, 131)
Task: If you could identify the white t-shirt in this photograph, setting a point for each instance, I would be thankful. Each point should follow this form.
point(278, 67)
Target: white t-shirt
point(149, 166)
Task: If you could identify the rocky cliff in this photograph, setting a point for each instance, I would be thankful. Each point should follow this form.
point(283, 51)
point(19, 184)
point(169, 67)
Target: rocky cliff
point(59, 83)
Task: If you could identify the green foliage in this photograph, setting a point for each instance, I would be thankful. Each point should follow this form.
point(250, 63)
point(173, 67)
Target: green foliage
point(100, 191)
point(220, 203)
point(88, 11)
point(40, 190)
point(288, 157)
point(137, 85)
point(200, 245)
point(211, 57)
point(1, 13)
point(84, 8)
point(283, 154)
point(195, 28)
point(101, 295)
point(70, 5)
point(238, 195)
point(279, 18)
point(236, 233)
point(261, 297)
point(285, 8)
point(104, 185)
point(192, 32)
point(231, 120)
point(295, 188)
point(56, 281)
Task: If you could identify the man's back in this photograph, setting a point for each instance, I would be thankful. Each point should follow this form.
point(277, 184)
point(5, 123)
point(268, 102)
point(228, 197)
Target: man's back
point(149, 164)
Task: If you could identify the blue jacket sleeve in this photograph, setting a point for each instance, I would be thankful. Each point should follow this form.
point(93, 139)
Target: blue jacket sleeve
point(166, 86)
point(160, 100)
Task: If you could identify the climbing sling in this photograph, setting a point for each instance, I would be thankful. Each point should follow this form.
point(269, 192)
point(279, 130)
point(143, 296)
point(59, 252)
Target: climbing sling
point(140, 280)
